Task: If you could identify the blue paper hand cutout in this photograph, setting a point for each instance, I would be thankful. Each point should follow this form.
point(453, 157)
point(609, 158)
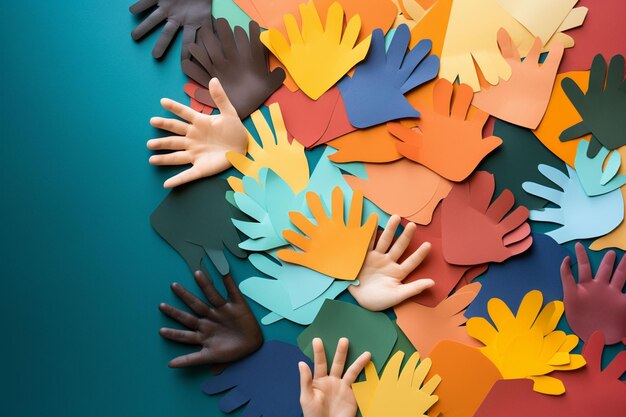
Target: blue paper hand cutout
point(581, 216)
point(536, 269)
point(296, 293)
point(266, 382)
point(594, 179)
point(375, 93)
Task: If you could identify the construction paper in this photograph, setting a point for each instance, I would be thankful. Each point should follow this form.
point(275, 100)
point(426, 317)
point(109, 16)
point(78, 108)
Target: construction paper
point(318, 57)
point(306, 120)
point(412, 10)
point(339, 124)
point(614, 239)
point(427, 326)
point(194, 220)
point(467, 376)
point(266, 382)
point(232, 12)
point(269, 14)
point(536, 269)
point(397, 393)
point(373, 15)
point(373, 144)
point(515, 161)
point(433, 24)
point(524, 97)
point(447, 141)
point(402, 188)
point(602, 106)
point(239, 62)
point(332, 246)
point(541, 18)
point(527, 345)
point(190, 15)
point(367, 331)
point(475, 231)
point(594, 177)
point(375, 93)
point(435, 267)
point(576, 211)
point(595, 303)
point(591, 391)
point(190, 89)
point(285, 159)
point(403, 344)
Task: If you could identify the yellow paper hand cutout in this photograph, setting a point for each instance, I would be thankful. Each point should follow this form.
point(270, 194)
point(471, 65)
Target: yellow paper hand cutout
point(288, 160)
point(317, 57)
point(332, 247)
point(396, 393)
point(526, 345)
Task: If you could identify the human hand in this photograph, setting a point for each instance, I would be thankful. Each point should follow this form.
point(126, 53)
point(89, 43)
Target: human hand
point(225, 330)
point(201, 140)
point(380, 279)
point(329, 394)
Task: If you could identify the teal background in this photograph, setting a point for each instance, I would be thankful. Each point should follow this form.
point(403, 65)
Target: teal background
point(82, 271)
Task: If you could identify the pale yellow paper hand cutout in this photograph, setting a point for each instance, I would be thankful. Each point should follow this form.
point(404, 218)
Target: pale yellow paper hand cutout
point(317, 57)
point(288, 160)
point(527, 345)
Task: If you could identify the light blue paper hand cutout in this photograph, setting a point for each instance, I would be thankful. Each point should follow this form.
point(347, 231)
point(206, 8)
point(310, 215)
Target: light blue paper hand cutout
point(375, 93)
point(582, 217)
point(594, 179)
point(296, 293)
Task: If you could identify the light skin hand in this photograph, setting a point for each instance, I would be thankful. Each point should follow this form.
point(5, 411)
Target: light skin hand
point(329, 394)
point(380, 279)
point(199, 139)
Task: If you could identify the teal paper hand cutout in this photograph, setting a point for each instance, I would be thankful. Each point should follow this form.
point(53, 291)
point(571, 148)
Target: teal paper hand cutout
point(581, 216)
point(594, 179)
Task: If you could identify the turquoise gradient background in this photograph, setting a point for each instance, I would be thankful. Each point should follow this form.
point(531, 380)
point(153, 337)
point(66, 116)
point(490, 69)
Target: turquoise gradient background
point(82, 271)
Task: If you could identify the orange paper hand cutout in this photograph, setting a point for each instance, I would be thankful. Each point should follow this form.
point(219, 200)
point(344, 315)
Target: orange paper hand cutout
point(332, 247)
point(372, 144)
point(523, 98)
point(427, 326)
point(448, 141)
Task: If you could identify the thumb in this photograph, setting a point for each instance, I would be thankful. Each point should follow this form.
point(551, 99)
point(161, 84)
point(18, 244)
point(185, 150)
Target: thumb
point(220, 98)
point(490, 143)
point(413, 288)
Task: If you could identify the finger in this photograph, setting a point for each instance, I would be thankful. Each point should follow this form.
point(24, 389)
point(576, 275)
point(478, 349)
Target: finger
point(506, 45)
point(442, 96)
point(319, 358)
point(184, 177)
point(574, 132)
point(232, 289)
point(386, 237)
point(584, 267)
point(567, 278)
point(172, 143)
point(619, 277)
point(192, 359)
point(316, 207)
point(355, 215)
point(499, 208)
point(403, 242)
point(180, 316)
point(337, 209)
point(148, 24)
point(615, 76)
point(297, 240)
point(141, 6)
point(174, 158)
point(415, 259)
point(514, 220)
point(180, 110)
point(606, 267)
point(616, 368)
point(462, 101)
point(181, 336)
point(221, 99)
point(413, 288)
point(301, 222)
point(165, 38)
point(553, 60)
point(171, 125)
point(597, 75)
point(541, 191)
point(194, 303)
point(535, 51)
point(357, 366)
point(306, 382)
point(195, 71)
point(339, 361)
point(208, 289)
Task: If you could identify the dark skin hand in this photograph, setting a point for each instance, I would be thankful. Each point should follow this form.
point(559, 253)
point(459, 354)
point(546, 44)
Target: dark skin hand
point(225, 330)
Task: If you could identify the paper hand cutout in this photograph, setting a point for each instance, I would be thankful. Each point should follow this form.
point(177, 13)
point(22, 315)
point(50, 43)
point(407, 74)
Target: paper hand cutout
point(395, 393)
point(595, 303)
point(594, 178)
point(527, 345)
point(591, 391)
point(375, 93)
point(194, 220)
point(317, 57)
point(329, 394)
point(265, 383)
point(190, 14)
point(332, 246)
point(577, 212)
point(238, 62)
point(602, 107)
point(285, 159)
point(201, 140)
point(373, 144)
point(476, 231)
point(295, 293)
point(226, 330)
point(449, 141)
point(427, 326)
point(524, 97)
point(380, 279)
